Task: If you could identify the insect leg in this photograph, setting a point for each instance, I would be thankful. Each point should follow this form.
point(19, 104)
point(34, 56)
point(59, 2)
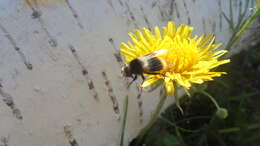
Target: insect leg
point(142, 77)
point(134, 78)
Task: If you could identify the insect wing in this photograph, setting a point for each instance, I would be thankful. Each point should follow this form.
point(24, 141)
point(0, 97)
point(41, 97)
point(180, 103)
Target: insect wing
point(152, 63)
point(156, 53)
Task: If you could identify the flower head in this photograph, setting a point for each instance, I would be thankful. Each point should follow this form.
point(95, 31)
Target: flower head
point(189, 59)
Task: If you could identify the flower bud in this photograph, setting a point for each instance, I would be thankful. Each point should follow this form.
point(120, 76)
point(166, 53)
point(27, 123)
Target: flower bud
point(222, 113)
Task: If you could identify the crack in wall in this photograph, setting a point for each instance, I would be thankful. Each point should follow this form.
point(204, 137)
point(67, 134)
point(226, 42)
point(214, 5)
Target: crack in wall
point(110, 3)
point(8, 100)
point(120, 2)
point(119, 60)
point(204, 25)
point(74, 13)
point(146, 19)
point(4, 141)
point(220, 15)
point(166, 11)
point(117, 54)
point(72, 141)
point(131, 15)
point(187, 12)
point(36, 14)
point(111, 94)
point(28, 65)
point(140, 104)
point(85, 73)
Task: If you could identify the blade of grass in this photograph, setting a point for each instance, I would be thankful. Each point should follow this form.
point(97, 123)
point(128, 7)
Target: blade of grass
point(238, 34)
point(228, 20)
point(122, 130)
point(231, 14)
point(236, 129)
point(248, 22)
point(155, 114)
point(240, 21)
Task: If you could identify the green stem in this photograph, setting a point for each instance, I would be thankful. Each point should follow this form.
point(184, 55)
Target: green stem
point(177, 100)
point(236, 129)
point(122, 131)
point(211, 98)
point(153, 118)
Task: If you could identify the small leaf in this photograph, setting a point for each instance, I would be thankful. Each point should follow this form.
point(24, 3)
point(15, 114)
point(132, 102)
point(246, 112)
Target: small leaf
point(170, 140)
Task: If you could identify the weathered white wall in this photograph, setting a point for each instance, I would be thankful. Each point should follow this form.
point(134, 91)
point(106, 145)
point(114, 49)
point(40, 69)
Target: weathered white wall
point(53, 51)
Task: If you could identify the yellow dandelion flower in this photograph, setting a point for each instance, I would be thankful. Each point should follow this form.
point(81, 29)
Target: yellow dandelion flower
point(189, 59)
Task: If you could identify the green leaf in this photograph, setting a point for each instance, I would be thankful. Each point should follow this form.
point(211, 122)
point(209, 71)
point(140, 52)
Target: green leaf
point(170, 140)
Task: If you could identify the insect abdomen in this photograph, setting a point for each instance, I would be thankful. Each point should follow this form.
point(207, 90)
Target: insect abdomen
point(154, 64)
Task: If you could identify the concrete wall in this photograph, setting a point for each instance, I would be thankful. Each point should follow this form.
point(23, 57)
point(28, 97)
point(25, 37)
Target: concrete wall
point(60, 83)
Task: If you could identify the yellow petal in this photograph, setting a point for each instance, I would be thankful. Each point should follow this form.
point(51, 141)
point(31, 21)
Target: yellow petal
point(149, 82)
point(215, 46)
point(219, 53)
point(124, 46)
point(130, 44)
point(205, 40)
point(169, 87)
point(164, 30)
point(180, 80)
point(171, 28)
point(180, 29)
point(157, 33)
point(184, 83)
point(127, 53)
point(207, 49)
point(143, 44)
point(134, 38)
point(198, 81)
point(187, 31)
point(219, 63)
point(148, 35)
point(200, 39)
